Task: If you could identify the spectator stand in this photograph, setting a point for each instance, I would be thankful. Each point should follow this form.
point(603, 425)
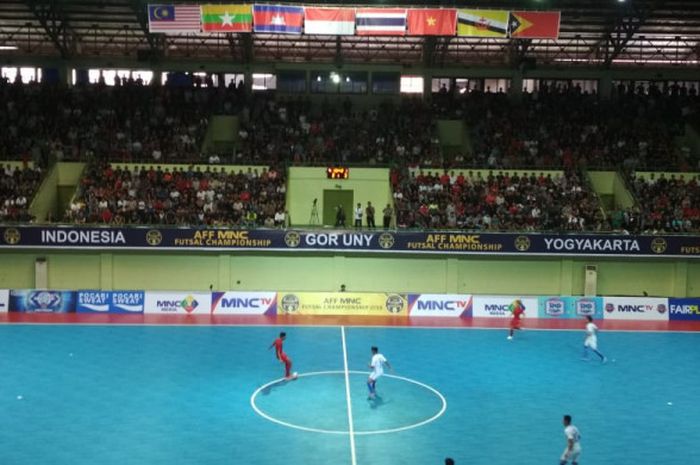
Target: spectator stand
point(19, 183)
point(182, 195)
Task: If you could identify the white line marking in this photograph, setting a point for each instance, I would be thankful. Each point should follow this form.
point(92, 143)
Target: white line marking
point(351, 427)
point(357, 433)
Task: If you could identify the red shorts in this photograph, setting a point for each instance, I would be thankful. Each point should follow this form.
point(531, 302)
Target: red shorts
point(515, 323)
point(284, 358)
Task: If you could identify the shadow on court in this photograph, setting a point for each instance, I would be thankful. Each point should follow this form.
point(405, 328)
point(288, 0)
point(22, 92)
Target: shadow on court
point(272, 387)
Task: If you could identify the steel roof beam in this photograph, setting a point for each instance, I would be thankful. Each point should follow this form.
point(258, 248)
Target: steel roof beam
point(53, 19)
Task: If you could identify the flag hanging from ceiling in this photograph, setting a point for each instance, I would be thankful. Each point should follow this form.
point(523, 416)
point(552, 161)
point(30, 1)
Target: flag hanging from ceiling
point(431, 21)
point(227, 18)
point(534, 24)
point(329, 21)
point(278, 19)
point(482, 23)
point(380, 21)
point(174, 19)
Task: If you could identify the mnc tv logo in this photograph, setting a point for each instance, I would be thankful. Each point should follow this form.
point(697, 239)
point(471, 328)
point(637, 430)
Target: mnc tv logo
point(449, 305)
point(245, 303)
point(440, 305)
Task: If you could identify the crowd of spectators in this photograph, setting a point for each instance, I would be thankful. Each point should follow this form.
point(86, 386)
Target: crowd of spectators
point(17, 189)
point(568, 129)
point(499, 201)
point(213, 196)
point(668, 205)
point(297, 132)
point(126, 122)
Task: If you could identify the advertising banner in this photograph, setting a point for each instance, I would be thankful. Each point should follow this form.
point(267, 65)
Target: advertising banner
point(4, 300)
point(126, 302)
point(178, 302)
point(341, 303)
point(636, 308)
point(244, 303)
point(455, 243)
point(570, 307)
point(498, 306)
point(44, 301)
point(440, 305)
point(684, 309)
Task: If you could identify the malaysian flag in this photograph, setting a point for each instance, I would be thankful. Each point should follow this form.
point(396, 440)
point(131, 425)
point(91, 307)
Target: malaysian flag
point(380, 21)
point(174, 19)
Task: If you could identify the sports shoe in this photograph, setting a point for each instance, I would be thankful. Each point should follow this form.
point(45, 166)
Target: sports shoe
point(510, 338)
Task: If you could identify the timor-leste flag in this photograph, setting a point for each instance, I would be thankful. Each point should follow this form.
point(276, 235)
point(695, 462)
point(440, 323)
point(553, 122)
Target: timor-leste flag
point(534, 24)
point(432, 21)
point(227, 18)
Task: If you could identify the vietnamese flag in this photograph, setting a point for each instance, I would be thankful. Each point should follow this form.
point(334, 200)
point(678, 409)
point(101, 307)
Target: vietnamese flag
point(432, 21)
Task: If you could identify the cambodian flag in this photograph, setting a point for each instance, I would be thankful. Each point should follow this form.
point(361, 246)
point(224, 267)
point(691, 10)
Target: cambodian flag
point(278, 19)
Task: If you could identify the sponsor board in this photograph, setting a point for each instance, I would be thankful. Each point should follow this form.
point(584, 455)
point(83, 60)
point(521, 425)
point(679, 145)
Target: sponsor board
point(635, 308)
point(42, 301)
point(110, 302)
point(684, 309)
point(187, 303)
point(498, 306)
point(341, 303)
point(244, 303)
point(440, 305)
point(4, 300)
point(570, 307)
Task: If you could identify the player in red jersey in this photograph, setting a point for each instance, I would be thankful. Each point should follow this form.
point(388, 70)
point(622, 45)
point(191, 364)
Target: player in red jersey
point(517, 309)
point(282, 357)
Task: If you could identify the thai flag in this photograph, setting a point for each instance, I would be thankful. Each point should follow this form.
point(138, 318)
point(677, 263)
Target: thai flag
point(380, 21)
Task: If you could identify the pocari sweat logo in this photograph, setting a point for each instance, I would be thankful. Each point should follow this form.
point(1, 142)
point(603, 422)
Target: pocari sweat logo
point(93, 301)
point(128, 301)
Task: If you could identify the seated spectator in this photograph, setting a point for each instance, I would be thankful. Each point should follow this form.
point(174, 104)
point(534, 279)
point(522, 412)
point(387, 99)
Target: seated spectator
point(17, 189)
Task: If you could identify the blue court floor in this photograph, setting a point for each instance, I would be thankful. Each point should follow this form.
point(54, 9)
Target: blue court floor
point(152, 395)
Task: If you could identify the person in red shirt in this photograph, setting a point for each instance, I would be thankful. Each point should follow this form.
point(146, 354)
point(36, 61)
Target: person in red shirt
point(282, 357)
point(517, 309)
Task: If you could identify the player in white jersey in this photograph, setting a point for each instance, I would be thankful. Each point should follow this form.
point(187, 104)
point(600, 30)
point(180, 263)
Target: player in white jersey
point(591, 340)
point(377, 365)
point(573, 443)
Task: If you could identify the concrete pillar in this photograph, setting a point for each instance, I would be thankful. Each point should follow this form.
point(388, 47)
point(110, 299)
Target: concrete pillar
point(106, 272)
point(452, 277)
point(605, 86)
point(223, 282)
point(566, 277)
point(679, 285)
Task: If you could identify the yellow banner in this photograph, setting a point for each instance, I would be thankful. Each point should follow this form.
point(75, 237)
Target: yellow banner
point(482, 23)
point(341, 303)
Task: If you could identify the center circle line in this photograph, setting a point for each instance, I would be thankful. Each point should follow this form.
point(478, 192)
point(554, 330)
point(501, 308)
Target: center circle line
point(257, 410)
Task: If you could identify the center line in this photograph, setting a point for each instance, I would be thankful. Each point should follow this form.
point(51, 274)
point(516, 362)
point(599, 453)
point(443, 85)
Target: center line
point(351, 427)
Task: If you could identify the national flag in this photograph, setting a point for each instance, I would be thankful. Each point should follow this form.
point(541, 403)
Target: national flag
point(329, 21)
point(534, 24)
point(278, 19)
point(380, 21)
point(174, 18)
point(432, 21)
point(227, 18)
point(482, 23)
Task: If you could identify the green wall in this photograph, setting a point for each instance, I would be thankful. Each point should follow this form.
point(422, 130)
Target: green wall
point(359, 272)
point(610, 186)
point(308, 183)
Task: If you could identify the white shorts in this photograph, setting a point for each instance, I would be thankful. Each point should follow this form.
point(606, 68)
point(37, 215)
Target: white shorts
point(573, 456)
point(591, 342)
point(374, 375)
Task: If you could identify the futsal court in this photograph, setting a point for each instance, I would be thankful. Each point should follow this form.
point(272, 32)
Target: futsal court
point(158, 394)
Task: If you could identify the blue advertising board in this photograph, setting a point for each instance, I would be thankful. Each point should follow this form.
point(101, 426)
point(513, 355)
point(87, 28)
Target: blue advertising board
point(684, 309)
point(124, 302)
point(445, 242)
point(570, 307)
point(44, 301)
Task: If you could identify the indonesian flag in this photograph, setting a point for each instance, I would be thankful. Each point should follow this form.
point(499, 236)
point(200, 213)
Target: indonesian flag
point(329, 21)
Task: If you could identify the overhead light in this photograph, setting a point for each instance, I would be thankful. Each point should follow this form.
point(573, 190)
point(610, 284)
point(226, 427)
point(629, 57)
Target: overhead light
point(8, 47)
point(335, 77)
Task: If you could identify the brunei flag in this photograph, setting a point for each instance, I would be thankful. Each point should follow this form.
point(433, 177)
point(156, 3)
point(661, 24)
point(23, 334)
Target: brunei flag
point(534, 24)
point(227, 18)
point(482, 23)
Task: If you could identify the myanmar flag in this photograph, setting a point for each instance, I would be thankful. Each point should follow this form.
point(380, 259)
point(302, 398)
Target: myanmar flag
point(227, 18)
point(432, 21)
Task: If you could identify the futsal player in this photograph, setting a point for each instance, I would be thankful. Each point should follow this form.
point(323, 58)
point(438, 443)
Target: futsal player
point(591, 340)
point(573, 444)
point(282, 357)
point(517, 309)
point(377, 365)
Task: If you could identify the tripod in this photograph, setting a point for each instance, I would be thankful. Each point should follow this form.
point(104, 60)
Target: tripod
point(314, 215)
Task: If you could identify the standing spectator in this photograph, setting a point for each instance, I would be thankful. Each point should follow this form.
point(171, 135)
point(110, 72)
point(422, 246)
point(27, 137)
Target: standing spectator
point(369, 211)
point(388, 213)
point(340, 217)
point(358, 216)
